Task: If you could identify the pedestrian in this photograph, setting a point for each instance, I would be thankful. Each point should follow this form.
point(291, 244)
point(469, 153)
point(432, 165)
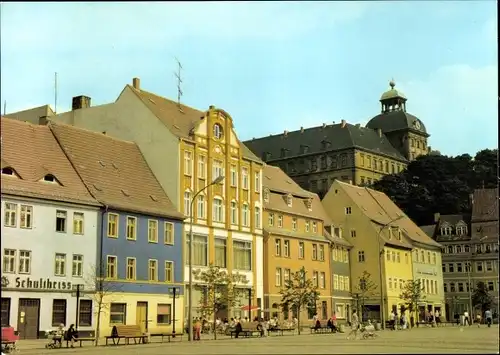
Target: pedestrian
point(487, 317)
point(392, 320)
point(478, 319)
point(466, 318)
point(437, 317)
point(354, 326)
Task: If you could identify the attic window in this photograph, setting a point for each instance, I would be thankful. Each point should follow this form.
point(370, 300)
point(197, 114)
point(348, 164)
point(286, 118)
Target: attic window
point(289, 200)
point(125, 193)
point(8, 171)
point(49, 178)
point(153, 198)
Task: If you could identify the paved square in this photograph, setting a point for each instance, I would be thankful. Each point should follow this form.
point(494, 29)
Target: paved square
point(423, 341)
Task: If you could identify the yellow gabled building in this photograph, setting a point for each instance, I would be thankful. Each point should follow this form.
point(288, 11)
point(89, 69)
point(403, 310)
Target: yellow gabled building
point(383, 239)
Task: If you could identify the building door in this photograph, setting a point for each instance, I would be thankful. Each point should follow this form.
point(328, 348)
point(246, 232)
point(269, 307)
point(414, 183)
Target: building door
point(142, 316)
point(28, 318)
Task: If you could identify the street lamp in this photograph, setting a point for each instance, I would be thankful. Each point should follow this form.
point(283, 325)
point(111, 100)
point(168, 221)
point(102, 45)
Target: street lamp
point(468, 265)
point(381, 253)
point(174, 293)
point(217, 180)
point(77, 293)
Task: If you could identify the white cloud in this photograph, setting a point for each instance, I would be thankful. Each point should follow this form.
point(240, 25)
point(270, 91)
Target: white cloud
point(458, 104)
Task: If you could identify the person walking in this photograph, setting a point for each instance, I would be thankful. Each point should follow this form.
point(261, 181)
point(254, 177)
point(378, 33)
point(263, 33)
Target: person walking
point(466, 318)
point(488, 317)
point(354, 326)
point(478, 319)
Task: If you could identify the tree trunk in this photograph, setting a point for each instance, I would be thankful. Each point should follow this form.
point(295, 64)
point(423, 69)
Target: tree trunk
point(98, 324)
point(215, 328)
point(298, 320)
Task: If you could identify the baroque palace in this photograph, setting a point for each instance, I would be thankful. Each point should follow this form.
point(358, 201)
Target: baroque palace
point(315, 157)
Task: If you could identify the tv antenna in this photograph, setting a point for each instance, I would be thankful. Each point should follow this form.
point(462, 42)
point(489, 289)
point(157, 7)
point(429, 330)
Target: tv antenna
point(179, 82)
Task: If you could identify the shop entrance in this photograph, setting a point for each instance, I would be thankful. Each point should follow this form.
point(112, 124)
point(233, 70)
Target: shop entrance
point(28, 320)
point(142, 316)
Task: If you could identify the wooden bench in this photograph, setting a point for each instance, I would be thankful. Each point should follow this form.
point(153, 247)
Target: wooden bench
point(323, 328)
point(166, 335)
point(80, 340)
point(247, 329)
point(126, 332)
point(281, 330)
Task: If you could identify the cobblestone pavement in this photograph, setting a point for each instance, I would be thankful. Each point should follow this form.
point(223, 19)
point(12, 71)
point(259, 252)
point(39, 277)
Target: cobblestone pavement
point(424, 340)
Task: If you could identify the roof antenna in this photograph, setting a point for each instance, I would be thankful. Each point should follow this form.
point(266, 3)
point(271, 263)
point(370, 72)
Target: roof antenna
point(55, 93)
point(179, 82)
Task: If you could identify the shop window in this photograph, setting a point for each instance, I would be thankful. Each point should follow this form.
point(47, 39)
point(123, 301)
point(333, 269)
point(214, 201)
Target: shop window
point(5, 315)
point(118, 313)
point(85, 313)
point(58, 312)
point(163, 314)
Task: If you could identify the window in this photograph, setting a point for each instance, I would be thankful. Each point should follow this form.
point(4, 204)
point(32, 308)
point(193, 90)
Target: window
point(422, 256)
point(390, 282)
point(361, 256)
point(322, 280)
point(242, 255)
point(117, 313)
point(220, 252)
point(398, 257)
point(257, 217)
point(244, 178)
point(353, 233)
point(491, 286)
point(289, 200)
point(187, 203)
point(218, 169)
point(200, 250)
point(434, 258)
point(345, 254)
point(479, 266)
point(77, 265)
point(307, 226)
point(169, 271)
point(280, 221)
point(201, 166)
point(286, 275)
point(131, 228)
point(315, 227)
point(278, 277)
point(131, 269)
point(321, 256)
point(27, 217)
point(61, 221)
point(444, 267)
point(341, 283)
point(112, 225)
point(234, 176)
point(335, 282)
point(244, 215)
point(277, 247)
point(9, 261)
point(188, 163)
point(257, 181)
point(218, 213)
point(335, 254)
point(315, 252)
point(164, 310)
point(388, 255)
point(271, 219)
point(348, 210)
point(315, 278)
point(153, 231)
point(200, 213)
point(301, 250)
point(153, 270)
point(294, 223)
point(467, 249)
point(451, 268)
point(450, 249)
point(445, 287)
point(111, 267)
point(10, 214)
point(347, 283)
point(461, 287)
point(58, 312)
point(428, 257)
point(489, 266)
point(286, 248)
point(234, 213)
point(393, 256)
point(459, 267)
point(24, 261)
point(169, 236)
point(85, 313)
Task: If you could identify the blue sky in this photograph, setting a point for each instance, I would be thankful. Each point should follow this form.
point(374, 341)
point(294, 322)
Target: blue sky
point(271, 65)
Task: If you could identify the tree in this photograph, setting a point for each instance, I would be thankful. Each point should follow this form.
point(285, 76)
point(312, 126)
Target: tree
point(101, 294)
point(481, 297)
point(365, 287)
point(299, 292)
point(412, 295)
point(220, 290)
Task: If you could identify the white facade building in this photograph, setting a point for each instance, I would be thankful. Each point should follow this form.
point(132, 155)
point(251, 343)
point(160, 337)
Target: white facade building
point(47, 249)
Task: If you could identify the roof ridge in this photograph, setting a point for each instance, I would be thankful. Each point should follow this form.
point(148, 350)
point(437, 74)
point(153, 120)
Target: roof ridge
point(138, 91)
point(64, 125)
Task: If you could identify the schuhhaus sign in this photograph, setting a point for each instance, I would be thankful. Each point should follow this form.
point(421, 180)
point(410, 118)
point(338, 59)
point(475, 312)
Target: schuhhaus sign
point(39, 284)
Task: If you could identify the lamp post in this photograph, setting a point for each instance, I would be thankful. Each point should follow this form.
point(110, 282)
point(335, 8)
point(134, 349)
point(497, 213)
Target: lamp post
point(381, 253)
point(76, 293)
point(468, 265)
point(174, 293)
point(190, 250)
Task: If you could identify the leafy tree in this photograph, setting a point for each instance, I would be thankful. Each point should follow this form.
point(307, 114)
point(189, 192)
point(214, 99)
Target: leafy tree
point(220, 289)
point(102, 293)
point(438, 183)
point(365, 288)
point(412, 295)
point(299, 292)
point(481, 297)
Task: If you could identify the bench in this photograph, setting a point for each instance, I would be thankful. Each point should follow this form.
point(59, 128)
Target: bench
point(248, 329)
point(80, 340)
point(323, 328)
point(166, 335)
point(126, 332)
point(281, 330)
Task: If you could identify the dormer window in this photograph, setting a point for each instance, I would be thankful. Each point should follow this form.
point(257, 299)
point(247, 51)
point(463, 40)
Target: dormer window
point(461, 230)
point(308, 203)
point(266, 195)
point(289, 200)
point(445, 230)
point(50, 179)
point(9, 172)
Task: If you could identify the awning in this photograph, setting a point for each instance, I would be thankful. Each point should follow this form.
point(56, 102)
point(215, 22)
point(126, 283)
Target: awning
point(249, 308)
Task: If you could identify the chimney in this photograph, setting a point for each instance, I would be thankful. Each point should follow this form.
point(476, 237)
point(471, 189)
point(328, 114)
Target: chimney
point(379, 131)
point(136, 83)
point(324, 125)
point(285, 133)
point(437, 216)
point(301, 129)
point(43, 120)
point(343, 123)
point(80, 102)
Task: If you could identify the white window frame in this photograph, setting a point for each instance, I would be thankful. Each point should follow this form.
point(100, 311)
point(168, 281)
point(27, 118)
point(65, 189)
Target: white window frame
point(26, 217)
point(60, 264)
point(294, 223)
point(307, 226)
point(201, 207)
point(302, 251)
point(257, 182)
point(234, 212)
point(152, 231)
point(234, 176)
point(188, 163)
point(10, 215)
point(315, 227)
point(257, 216)
point(244, 178)
point(25, 261)
point(131, 269)
point(153, 269)
point(202, 166)
point(348, 210)
point(64, 215)
point(286, 248)
point(78, 223)
point(168, 233)
point(218, 210)
point(114, 264)
point(217, 169)
point(9, 261)
point(131, 227)
point(280, 221)
point(245, 215)
point(187, 203)
point(77, 265)
point(278, 277)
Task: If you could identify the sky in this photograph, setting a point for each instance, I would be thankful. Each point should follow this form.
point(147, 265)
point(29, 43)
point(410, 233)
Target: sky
point(273, 66)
